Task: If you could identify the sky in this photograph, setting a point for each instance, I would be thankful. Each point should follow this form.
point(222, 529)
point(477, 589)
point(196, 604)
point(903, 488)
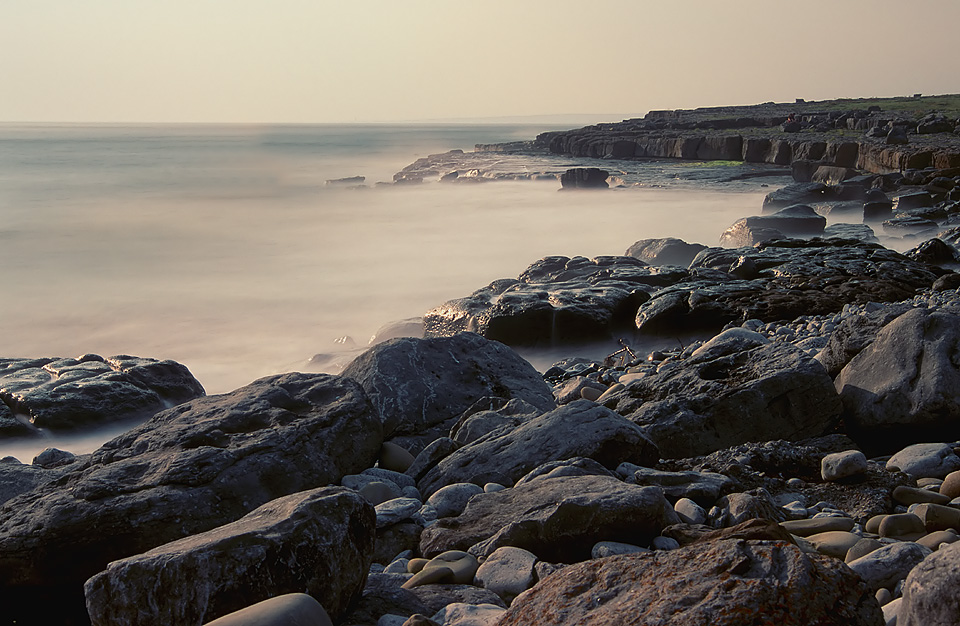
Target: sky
point(343, 61)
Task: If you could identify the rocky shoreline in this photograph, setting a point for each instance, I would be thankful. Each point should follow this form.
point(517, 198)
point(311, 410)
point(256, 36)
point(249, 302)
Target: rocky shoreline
point(793, 456)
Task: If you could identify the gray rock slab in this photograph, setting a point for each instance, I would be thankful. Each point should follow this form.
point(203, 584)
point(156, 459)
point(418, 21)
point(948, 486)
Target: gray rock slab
point(578, 429)
point(319, 541)
point(558, 519)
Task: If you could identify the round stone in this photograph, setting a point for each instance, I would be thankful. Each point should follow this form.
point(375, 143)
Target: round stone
point(807, 527)
point(590, 393)
point(912, 495)
point(394, 458)
point(951, 485)
point(902, 525)
point(938, 538)
point(835, 543)
point(841, 465)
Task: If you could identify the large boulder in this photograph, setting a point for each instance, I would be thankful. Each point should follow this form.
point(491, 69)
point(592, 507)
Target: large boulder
point(727, 583)
point(854, 333)
point(559, 518)
point(319, 541)
point(930, 590)
point(790, 278)
point(191, 468)
point(905, 386)
point(578, 429)
point(736, 388)
point(59, 393)
point(557, 299)
point(416, 384)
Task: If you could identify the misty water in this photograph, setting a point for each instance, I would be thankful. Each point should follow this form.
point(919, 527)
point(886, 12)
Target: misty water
point(221, 247)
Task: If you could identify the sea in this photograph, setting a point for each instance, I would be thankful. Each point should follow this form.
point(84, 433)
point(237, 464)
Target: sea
point(230, 249)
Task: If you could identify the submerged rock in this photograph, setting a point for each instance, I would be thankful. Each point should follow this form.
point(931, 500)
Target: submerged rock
point(91, 390)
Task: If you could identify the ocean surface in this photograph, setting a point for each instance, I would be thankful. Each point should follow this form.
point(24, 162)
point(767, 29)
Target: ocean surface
point(224, 248)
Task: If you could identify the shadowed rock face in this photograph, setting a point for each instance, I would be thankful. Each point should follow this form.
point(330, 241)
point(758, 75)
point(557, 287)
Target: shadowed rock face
point(734, 582)
point(320, 541)
point(187, 470)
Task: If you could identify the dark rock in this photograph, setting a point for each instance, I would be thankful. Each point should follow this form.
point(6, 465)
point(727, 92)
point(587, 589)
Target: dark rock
point(558, 519)
point(934, 123)
point(914, 200)
point(668, 251)
point(796, 220)
point(754, 530)
point(430, 456)
point(584, 178)
point(906, 226)
point(855, 333)
point(702, 487)
point(934, 252)
point(576, 466)
point(859, 232)
point(71, 393)
point(832, 174)
point(17, 478)
point(383, 595)
point(897, 136)
point(418, 383)
point(735, 582)
point(474, 424)
point(579, 429)
point(796, 277)
point(728, 392)
point(394, 539)
point(189, 469)
point(886, 398)
point(319, 541)
point(800, 193)
point(947, 282)
point(557, 299)
point(52, 457)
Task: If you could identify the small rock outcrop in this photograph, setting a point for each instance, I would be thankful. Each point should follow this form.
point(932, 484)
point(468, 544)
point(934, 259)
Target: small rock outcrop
point(65, 394)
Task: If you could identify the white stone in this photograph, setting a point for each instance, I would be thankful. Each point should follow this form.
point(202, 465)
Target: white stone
point(842, 465)
point(450, 501)
point(690, 512)
point(925, 460)
point(507, 572)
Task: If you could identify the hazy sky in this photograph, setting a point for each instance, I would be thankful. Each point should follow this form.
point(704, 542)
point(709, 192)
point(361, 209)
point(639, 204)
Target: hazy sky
point(393, 60)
